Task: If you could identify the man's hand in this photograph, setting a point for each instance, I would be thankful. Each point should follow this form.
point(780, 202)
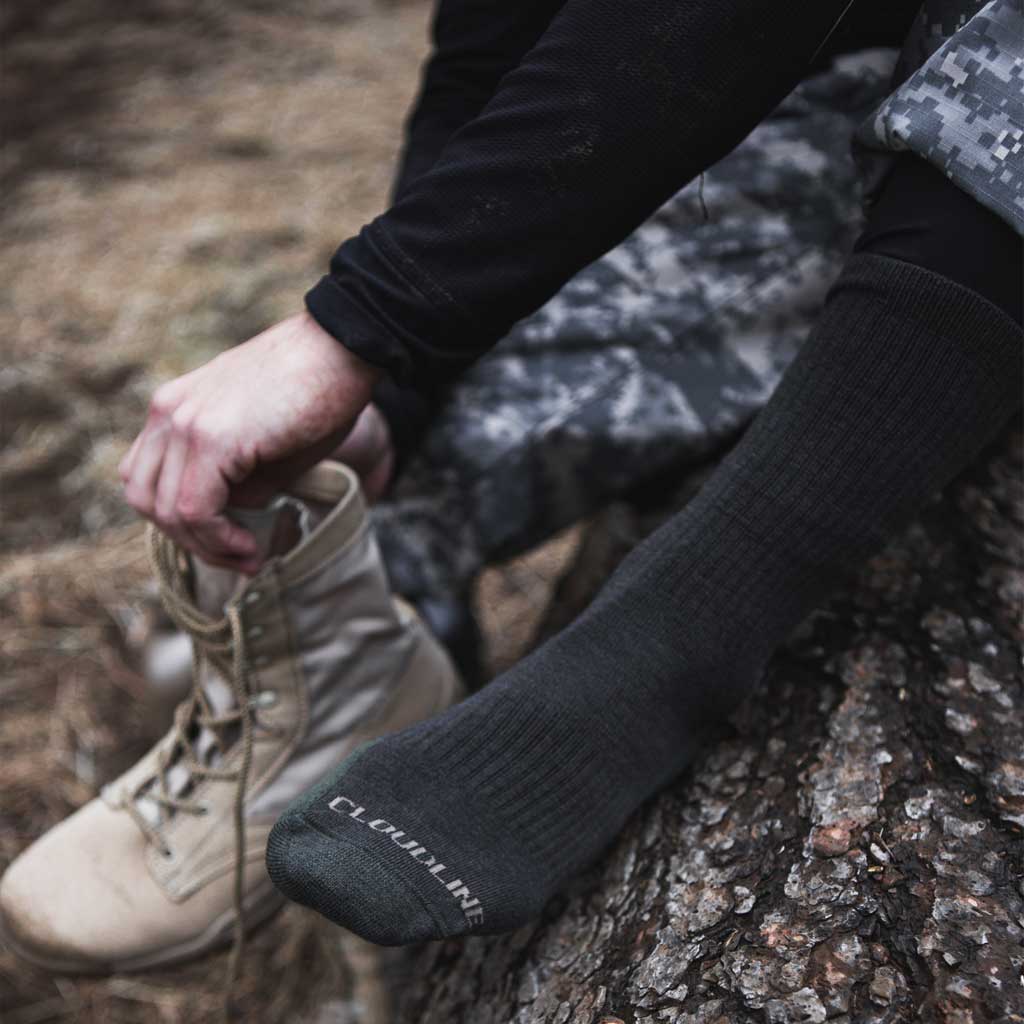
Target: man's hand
point(240, 428)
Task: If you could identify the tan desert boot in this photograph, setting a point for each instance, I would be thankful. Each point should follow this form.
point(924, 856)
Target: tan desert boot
point(303, 662)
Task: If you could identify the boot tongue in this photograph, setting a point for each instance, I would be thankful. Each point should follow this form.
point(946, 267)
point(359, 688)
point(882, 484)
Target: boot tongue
point(278, 528)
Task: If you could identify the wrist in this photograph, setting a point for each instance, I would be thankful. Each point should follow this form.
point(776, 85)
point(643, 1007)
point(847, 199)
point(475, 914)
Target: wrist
point(357, 374)
point(358, 367)
point(343, 312)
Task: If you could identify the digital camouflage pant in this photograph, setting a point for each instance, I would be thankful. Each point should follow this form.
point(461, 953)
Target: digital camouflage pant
point(658, 353)
point(959, 103)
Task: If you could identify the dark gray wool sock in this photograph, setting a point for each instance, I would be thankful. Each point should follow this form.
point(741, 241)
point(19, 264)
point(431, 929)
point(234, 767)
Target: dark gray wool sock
point(469, 822)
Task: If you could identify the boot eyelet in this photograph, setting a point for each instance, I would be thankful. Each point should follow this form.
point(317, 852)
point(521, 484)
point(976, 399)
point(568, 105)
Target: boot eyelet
point(255, 632)
point(167, 853)
point(261, 661)
point(253, 597)
point(265, 699)
point(203, 810)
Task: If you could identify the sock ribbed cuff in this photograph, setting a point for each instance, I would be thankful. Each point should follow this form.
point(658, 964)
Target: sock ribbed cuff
point(944, 307)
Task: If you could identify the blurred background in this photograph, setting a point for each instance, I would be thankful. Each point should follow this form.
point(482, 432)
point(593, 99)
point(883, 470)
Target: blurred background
point(175, 174)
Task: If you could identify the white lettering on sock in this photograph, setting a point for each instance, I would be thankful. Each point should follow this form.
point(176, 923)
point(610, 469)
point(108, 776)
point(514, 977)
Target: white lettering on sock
point(469, 904)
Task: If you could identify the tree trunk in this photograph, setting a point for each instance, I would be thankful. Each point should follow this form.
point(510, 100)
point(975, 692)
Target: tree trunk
point(851, 852)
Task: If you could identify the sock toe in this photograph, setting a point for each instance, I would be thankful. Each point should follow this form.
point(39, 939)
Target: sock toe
point(339, 881)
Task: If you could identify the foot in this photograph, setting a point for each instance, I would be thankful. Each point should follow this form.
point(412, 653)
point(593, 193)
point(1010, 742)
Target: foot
point(472, 821)
point(298, 666)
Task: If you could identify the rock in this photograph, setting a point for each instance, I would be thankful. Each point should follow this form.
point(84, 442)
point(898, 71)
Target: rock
point(883, 985)
point(871, 795)
point(830, 840)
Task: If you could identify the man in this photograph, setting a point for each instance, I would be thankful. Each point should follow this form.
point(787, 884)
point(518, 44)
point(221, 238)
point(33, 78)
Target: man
point(590, 116)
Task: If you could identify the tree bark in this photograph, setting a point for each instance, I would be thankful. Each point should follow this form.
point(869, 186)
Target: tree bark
point(851, 852)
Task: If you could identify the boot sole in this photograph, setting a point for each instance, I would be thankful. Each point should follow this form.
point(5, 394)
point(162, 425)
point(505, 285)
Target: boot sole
point(263, 906)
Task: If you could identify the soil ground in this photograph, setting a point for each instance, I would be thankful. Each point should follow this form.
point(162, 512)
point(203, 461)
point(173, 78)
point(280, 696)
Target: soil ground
point(175, 175)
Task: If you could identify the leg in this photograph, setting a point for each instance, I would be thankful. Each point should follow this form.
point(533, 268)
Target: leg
point(649, 360)
point(906, 375)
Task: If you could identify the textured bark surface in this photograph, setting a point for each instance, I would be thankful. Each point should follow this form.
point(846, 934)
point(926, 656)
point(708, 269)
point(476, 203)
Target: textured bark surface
point(852, 851)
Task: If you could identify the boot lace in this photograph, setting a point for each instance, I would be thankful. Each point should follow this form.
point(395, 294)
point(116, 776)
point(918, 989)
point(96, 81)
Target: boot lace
point(221, 644)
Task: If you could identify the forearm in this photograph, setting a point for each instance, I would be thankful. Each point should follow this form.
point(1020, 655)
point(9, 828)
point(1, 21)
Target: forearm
point(475, 43)
point(616, 107)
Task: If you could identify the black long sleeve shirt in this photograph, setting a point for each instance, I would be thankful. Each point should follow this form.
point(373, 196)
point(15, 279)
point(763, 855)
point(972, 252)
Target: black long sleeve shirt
point(597, 117)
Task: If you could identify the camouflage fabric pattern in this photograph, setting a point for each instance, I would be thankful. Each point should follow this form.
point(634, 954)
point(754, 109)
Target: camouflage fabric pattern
point(960, 104)
point(650, 359)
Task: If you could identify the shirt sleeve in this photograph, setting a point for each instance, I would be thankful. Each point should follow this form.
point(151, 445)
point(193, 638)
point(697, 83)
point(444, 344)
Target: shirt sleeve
point(475, 44)
point(618, 105)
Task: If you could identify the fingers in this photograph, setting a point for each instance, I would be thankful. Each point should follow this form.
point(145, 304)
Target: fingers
point(165, 504)
point(124, 468)
point(140, 480)
point(225, 544)
point(200, 498)
point(140, 468)
point(173, 476)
